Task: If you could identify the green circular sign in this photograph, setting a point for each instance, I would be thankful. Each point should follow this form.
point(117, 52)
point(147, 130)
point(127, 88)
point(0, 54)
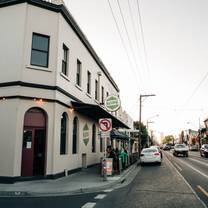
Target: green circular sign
point(112, 103)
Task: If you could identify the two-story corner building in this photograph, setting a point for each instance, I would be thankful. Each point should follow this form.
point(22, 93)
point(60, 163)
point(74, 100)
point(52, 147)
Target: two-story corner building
point(52, 84)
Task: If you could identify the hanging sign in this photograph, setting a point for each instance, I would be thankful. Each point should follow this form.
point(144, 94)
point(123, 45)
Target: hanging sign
point(112, 103)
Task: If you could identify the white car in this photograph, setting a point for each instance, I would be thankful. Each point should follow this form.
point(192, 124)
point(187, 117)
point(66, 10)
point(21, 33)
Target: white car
point(150, 155)
point(180, 149)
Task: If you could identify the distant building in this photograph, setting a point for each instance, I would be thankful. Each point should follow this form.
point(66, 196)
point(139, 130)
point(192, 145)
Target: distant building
point(52, 87)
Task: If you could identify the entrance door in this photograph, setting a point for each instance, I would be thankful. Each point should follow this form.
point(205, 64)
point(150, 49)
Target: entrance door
point(34, 143)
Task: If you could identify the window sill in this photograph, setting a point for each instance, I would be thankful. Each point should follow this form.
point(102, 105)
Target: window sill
point(77, 86)
point(90, 96)
point(64, 76)
point(38, 68)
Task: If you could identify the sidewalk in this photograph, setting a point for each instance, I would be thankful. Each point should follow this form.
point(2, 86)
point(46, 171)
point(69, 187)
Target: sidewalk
point(88, 180)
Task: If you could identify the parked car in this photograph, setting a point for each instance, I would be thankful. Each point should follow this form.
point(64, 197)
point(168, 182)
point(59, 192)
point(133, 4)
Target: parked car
point(150, 155)
point(193, 147)
point(180, 149)
point(204, 150)
point(158, 149)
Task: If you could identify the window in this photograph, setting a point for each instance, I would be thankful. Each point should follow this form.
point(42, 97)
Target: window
point(78, 77)
point(75, 135)
point(93, 138)
point(65, 60)
point(88, 82)
point(102, 95)
point(63, 142)
point(101, 144)
point(107, 94)
point(40, 50)
point(96, 90)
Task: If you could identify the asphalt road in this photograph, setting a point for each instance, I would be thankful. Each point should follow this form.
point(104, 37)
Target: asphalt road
point(195, 170)
point(153, 187)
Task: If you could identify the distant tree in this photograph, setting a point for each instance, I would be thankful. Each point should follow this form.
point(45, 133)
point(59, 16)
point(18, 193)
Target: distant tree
point(144, 133)
point(168, 139)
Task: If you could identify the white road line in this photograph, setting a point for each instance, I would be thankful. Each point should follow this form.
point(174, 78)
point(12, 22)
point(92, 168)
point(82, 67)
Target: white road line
point(108, 190)
point(178, 166)
point(203, 163)
point(202, 190)
point(100, 196)
point(198, 171)
point(89, 205)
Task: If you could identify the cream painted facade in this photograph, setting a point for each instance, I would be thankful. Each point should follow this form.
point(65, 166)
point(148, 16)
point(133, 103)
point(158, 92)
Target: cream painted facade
point(21, 83)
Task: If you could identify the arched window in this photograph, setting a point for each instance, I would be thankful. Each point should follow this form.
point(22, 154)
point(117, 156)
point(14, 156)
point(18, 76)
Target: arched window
point(75, 135)
point(63, 137)
point(93, 138)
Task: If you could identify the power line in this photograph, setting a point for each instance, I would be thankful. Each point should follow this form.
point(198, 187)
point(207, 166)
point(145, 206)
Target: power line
point(128, 37)
point(197, 88)
point(143, 41)
point(122, 40)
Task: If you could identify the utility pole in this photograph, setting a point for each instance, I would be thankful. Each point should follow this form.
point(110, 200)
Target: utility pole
point(140, 118)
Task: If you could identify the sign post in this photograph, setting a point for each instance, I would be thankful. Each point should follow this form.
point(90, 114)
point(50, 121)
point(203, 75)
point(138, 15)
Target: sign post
point(105, 126)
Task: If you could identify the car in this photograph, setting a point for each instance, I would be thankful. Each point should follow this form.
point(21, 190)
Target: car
point(150, 155)
point(167, 147)
point(193, 147)
point(158, 149)
point(180, 149)
point(204, 150)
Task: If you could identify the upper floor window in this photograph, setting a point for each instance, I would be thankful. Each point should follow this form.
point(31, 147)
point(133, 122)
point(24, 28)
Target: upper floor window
point(88, 82)
point(79, 70)
point(102, 94)
point(40, 50)
point(107, 94)
point(65, 60)
point(96, 90)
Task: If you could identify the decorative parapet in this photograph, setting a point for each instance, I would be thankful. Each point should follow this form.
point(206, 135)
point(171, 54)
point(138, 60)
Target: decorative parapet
point(57, 2)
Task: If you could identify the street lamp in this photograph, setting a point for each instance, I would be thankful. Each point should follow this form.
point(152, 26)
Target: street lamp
point(140, 117)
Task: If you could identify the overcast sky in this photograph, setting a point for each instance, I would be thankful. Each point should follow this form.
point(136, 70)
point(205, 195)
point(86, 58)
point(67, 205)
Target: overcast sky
point(172, 62)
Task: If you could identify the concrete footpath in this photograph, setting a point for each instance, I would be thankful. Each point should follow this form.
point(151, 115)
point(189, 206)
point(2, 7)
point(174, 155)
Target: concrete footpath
point(85, 181)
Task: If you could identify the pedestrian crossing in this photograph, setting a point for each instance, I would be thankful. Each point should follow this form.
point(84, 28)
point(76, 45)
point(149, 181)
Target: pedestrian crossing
point(98, 197)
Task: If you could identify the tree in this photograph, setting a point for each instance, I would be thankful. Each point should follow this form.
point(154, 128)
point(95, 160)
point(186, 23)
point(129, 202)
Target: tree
point(143, 134)
point(168, 139)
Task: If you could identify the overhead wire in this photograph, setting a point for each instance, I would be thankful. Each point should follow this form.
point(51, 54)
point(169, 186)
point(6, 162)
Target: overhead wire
point(128, 37)
point(196, 89)
point(123, 42)
point(140, 25)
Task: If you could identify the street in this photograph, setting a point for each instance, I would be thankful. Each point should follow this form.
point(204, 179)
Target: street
point(154, 186)
point(195, 170)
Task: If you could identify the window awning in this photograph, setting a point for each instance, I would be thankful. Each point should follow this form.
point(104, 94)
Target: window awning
point(118, 135)
point(96, 112)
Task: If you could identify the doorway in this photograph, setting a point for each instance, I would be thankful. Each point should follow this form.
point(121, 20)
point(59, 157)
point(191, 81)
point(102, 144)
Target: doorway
point(34, 143)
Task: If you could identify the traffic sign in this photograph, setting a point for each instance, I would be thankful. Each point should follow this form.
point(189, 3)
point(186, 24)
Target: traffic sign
point(105, 124)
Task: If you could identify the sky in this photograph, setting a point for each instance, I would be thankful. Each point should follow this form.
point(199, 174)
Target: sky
point(152, 47)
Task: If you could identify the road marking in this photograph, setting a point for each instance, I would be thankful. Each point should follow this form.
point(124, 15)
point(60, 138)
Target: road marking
point(199, 161)
point(89, 205)
point(202, 190)
point(108, 190)
point(178, 166)
point(198, 171)
point(100, 196)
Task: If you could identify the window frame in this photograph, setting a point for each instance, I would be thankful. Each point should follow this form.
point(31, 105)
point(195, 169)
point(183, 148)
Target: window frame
point(64, 137)
point(75, 137)
point(96, 89)
point(89, 82)
point(65, 62)
point(93, 138)
point(42, 51)
point(79, 73)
